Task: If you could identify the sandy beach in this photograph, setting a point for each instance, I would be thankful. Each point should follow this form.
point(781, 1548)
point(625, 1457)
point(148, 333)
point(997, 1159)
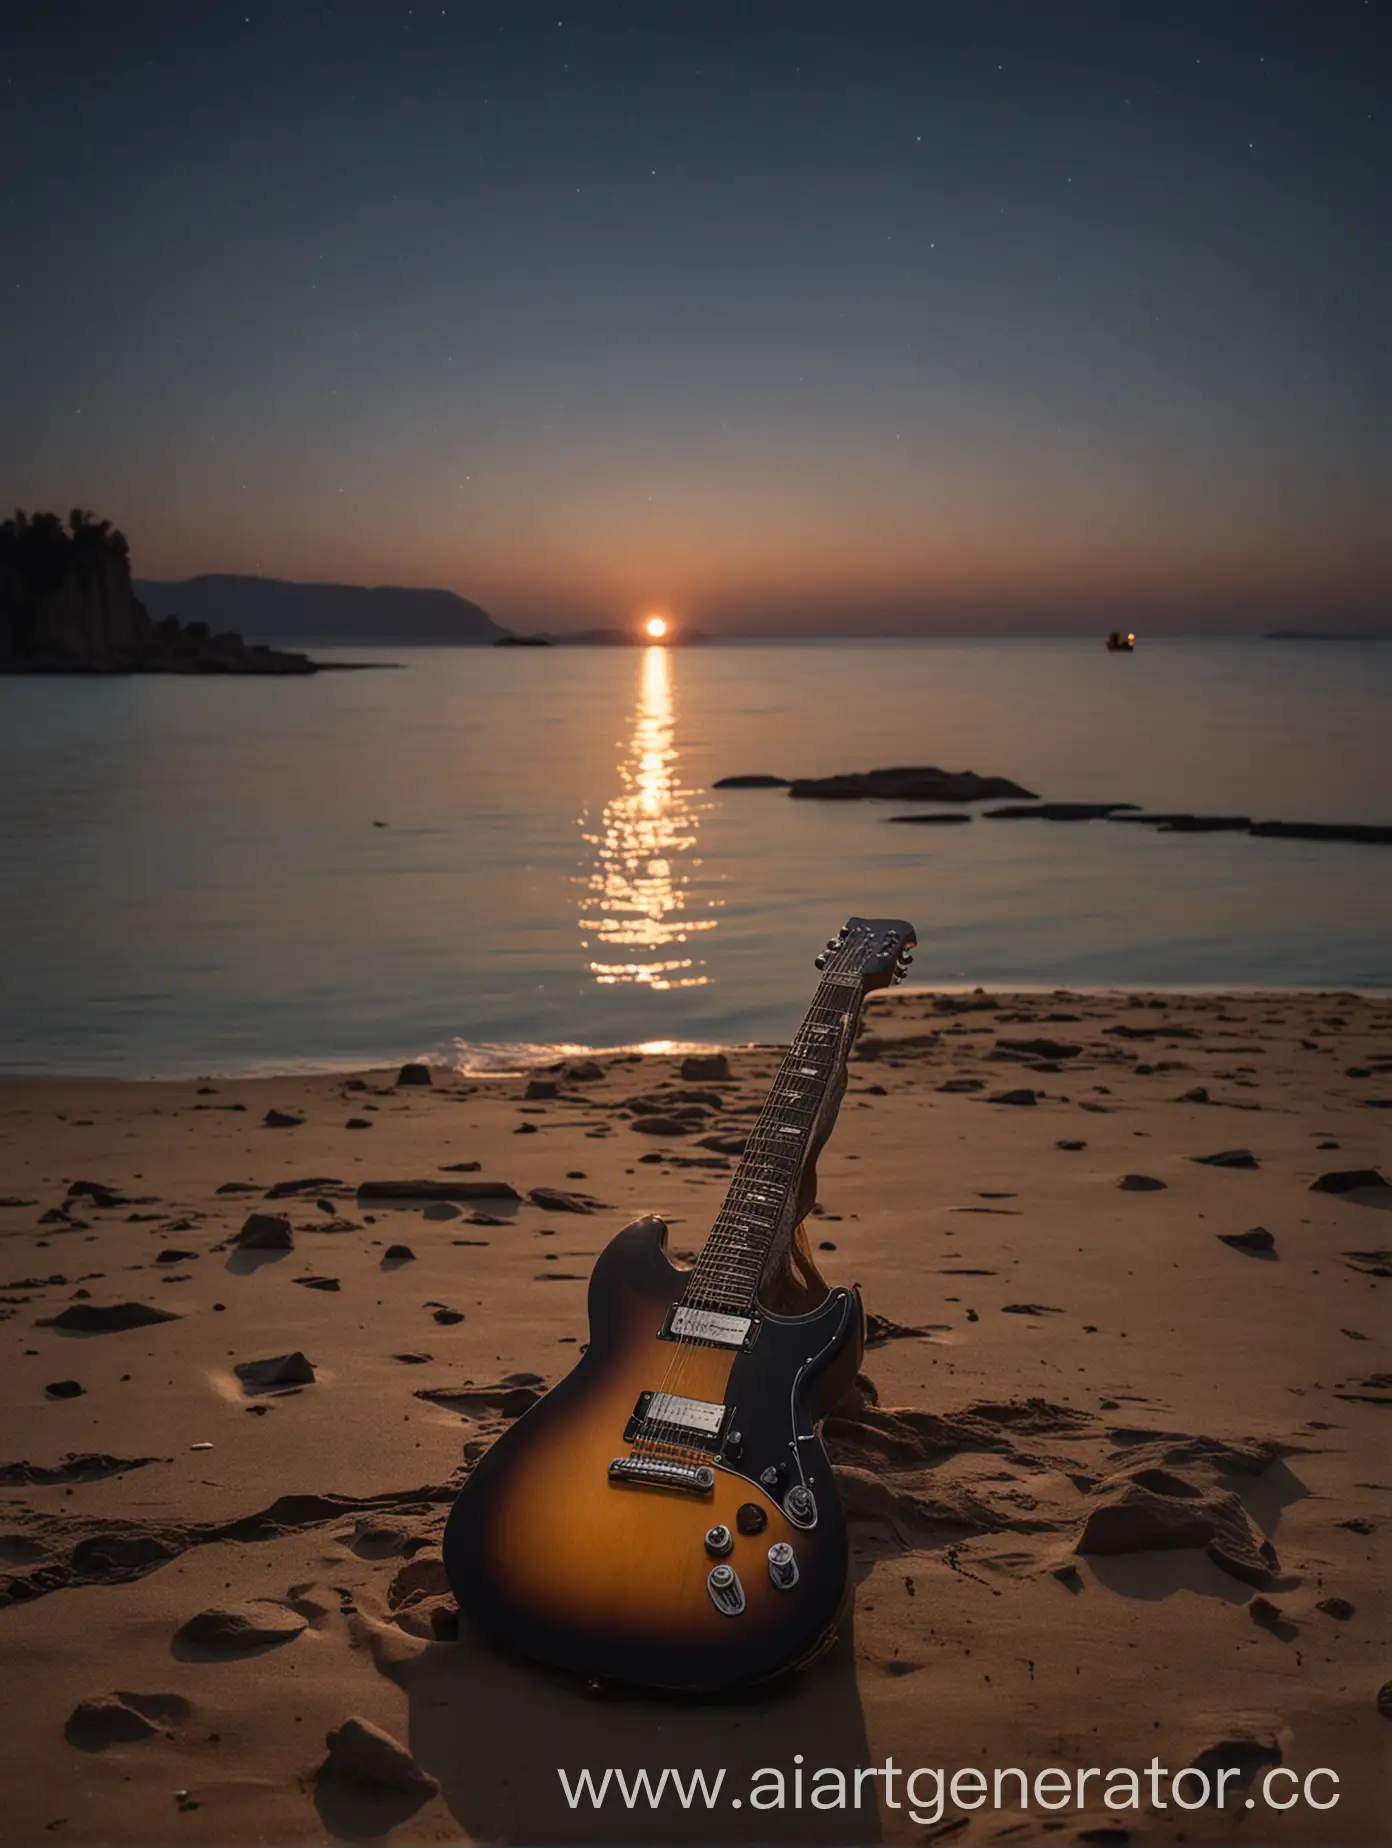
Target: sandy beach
point(1120, 1486)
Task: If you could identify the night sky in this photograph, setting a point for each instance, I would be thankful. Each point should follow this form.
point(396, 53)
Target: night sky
point(773, 316)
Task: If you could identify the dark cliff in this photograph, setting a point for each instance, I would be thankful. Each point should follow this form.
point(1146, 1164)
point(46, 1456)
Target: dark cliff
point(67, 606)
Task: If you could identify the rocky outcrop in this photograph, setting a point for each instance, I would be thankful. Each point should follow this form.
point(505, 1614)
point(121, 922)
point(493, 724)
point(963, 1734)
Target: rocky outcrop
point(1059, 811)
point(1322, 831)
point(67, 607)
point(1189, 824)
point(915, 783)
point(188, 648)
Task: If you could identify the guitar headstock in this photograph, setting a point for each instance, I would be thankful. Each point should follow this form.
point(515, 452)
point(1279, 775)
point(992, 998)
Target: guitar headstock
point(876, 950)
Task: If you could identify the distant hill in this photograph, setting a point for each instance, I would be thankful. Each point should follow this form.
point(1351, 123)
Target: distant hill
point(272, 609)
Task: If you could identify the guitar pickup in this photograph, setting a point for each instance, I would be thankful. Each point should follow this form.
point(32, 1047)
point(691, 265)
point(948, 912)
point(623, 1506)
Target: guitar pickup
point(711, 1326)
point(670, 1417)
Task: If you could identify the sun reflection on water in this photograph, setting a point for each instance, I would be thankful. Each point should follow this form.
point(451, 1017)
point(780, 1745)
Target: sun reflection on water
point(640, 908)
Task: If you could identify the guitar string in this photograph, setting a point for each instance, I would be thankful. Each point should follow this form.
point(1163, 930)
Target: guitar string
point(729, 1270)
point(724, 1273)
point(731, 1265)
point(728, 1273)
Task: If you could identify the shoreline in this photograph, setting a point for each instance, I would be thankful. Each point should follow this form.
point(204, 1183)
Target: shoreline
point(486, 1059)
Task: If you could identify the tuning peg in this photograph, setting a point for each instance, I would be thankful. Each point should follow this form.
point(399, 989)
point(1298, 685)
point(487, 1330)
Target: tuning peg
point(833, 943)
point(905, 957)
point(820, 962)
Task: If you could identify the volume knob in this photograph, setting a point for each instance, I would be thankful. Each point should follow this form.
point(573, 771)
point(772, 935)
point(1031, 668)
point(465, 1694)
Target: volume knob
point(800, 1506)
point(719, 1541)
point(783, 1565)
point(726, 1592)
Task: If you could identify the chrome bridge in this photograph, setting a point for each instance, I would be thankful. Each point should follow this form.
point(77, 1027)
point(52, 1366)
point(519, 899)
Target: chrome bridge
point(663, 1473)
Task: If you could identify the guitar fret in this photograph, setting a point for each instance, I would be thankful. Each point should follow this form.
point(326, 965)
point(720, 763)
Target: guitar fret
point(763, 1188)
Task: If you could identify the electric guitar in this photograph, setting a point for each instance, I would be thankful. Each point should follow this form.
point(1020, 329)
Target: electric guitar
point(666, 1515)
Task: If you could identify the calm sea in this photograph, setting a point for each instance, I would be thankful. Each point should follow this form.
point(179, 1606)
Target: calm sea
point(195, 878)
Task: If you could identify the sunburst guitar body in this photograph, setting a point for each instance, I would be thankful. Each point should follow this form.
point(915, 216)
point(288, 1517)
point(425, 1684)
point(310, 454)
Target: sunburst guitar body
point(666, 1515)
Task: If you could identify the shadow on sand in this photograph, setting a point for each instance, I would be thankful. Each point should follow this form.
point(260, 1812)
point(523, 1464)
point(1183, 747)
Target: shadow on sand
point(497, 1733)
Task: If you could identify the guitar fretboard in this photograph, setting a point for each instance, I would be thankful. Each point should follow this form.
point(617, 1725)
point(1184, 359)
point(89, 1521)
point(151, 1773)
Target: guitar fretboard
point(758, 1205)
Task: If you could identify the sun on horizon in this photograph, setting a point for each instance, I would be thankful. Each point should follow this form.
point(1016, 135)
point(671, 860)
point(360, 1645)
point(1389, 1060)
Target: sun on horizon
point(656, 627)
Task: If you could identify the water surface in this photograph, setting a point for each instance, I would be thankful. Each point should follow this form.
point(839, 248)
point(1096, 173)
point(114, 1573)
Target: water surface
point(195, 881)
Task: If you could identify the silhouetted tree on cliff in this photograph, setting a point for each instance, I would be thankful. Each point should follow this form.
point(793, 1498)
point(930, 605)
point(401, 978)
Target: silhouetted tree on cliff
point(90, 533)
point(38, 550)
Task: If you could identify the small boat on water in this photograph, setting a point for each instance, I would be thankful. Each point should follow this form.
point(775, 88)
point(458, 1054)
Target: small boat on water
point(1117, 643)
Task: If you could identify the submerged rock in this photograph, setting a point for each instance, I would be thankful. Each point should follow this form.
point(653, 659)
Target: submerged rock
point(1322, 831)
point(1059, 811)
point(916, 783)
point(1189, 824)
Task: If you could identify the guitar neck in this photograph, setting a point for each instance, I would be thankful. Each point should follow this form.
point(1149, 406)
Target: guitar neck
point(760, 1211)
